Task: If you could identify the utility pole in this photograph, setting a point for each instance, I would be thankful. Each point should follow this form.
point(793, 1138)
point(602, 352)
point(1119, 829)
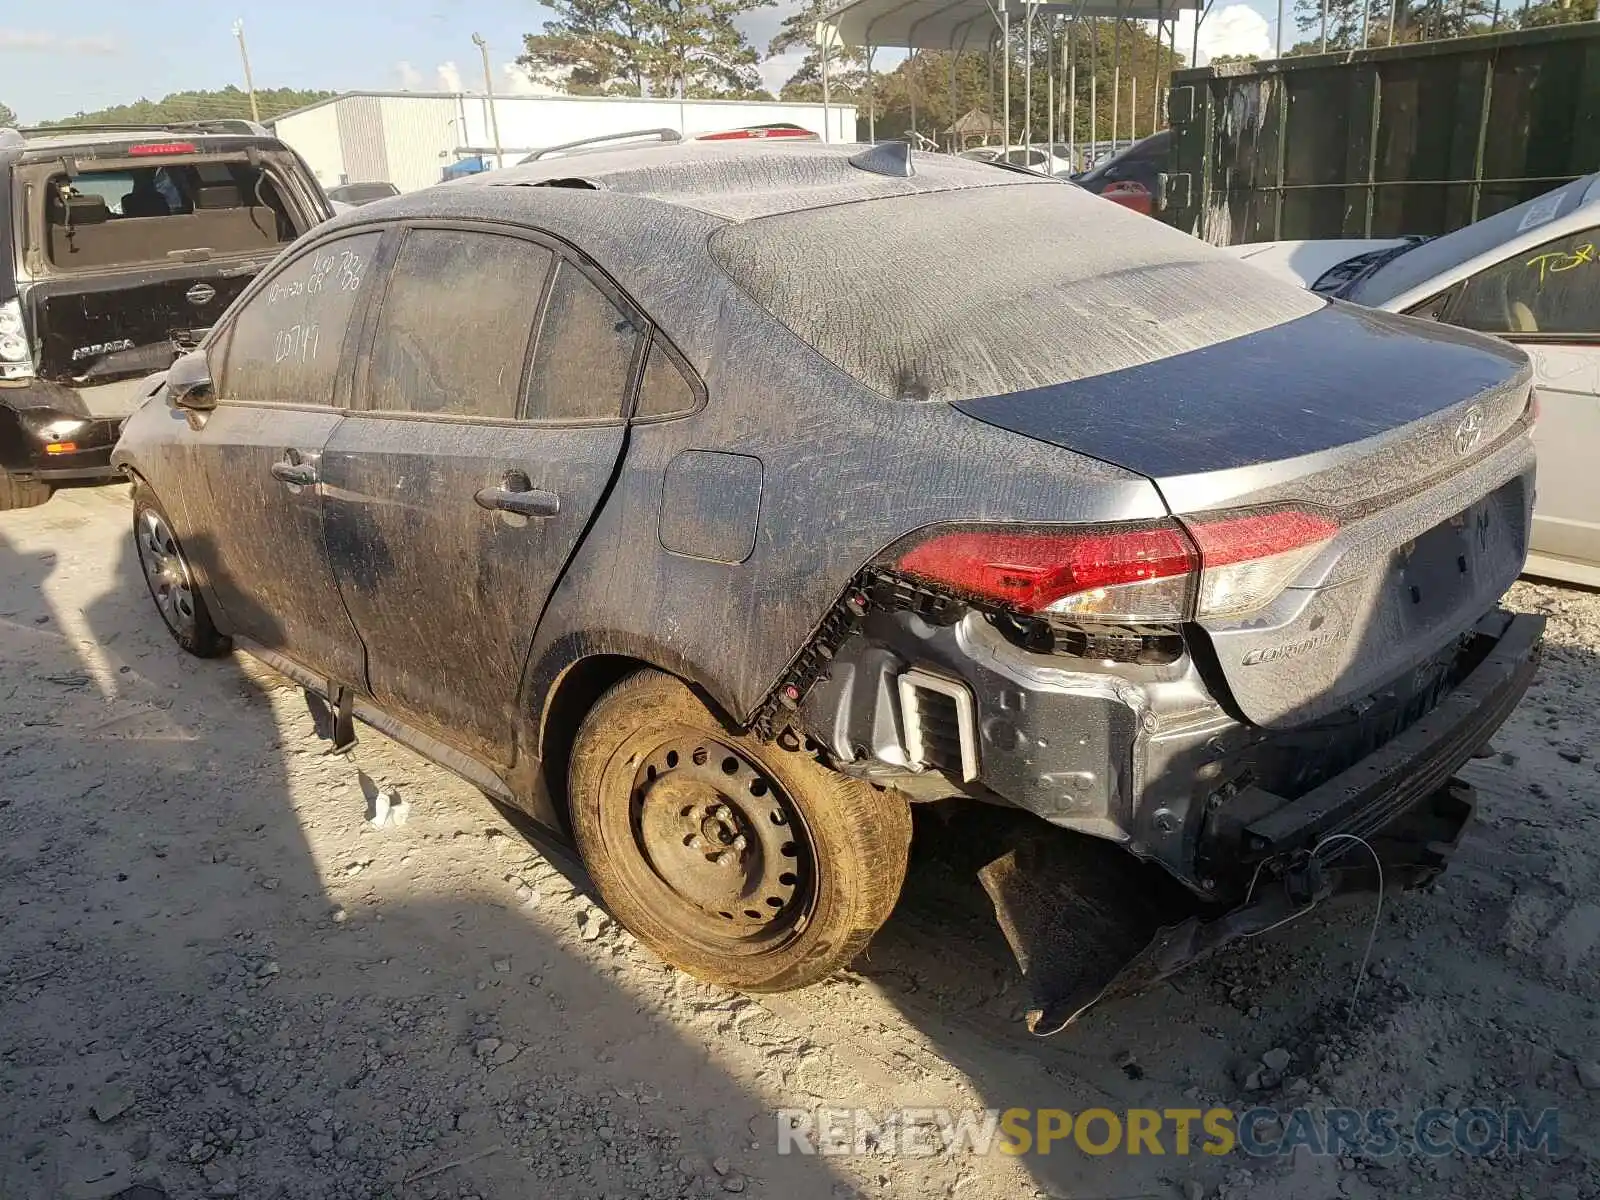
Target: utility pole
point(249, 83)
point(488, 88)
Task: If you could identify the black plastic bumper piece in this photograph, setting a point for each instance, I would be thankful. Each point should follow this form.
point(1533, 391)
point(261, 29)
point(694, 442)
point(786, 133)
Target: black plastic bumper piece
point(1415, 763)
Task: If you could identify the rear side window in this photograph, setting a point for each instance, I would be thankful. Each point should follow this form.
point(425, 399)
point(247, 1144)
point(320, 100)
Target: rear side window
point(1554, 288)
point(101, 219)
point(664, 390)
point(286, 344)
point(584, 355)
point(452, 335)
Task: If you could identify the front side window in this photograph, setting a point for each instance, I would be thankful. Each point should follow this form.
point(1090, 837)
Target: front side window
point(1551, 289)
point(584, 355)
point(452, 335)
point(285, 346)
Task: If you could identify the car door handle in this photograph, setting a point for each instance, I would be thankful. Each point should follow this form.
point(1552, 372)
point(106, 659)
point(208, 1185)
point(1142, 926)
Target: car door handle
point(294, 473)
point(524, 502)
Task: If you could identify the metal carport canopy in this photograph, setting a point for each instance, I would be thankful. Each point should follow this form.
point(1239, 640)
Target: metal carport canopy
point(969, 24)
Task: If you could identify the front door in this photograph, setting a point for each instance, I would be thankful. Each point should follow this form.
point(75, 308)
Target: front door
point(487, 427)
point(246, 473)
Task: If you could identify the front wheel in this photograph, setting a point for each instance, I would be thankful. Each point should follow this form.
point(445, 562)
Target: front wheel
point(742, 863)
point(171, 582)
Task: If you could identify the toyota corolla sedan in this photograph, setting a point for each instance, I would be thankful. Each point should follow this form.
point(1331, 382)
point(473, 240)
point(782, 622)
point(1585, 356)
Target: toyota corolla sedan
point(718, 503)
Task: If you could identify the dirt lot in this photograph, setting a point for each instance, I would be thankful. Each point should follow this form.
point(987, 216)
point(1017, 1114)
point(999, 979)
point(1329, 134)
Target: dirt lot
point(217, 978)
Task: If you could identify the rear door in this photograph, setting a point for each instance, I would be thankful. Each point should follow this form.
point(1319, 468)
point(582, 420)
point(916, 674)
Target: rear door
point(1547, 300)
point(245, 475)
point(489, 425)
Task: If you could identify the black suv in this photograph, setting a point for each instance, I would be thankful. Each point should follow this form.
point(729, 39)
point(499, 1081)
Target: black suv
point(720, 501)
point(118, 246)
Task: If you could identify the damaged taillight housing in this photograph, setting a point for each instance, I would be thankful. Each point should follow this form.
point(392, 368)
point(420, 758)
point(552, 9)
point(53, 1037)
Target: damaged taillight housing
point(1143, 573)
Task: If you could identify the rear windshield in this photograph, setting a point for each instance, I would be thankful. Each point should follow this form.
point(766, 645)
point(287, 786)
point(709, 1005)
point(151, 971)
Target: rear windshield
point(155, 214)
point(983, 291)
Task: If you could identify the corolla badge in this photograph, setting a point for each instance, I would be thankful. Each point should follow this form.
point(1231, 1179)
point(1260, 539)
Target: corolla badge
point(201, 293)
point(1470, 432)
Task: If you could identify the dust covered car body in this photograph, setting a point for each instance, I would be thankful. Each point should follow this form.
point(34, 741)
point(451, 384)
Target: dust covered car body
point(718, 502)
point(118, 244)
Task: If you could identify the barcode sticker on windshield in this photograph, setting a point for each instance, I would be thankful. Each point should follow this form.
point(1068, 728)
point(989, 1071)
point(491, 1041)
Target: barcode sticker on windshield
point(1541, 210)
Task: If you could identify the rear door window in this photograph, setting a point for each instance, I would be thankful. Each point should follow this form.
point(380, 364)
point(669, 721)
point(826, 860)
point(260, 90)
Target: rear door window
point(286, 344)
point(452, 335)
point(1552, 289)
point(585, 353)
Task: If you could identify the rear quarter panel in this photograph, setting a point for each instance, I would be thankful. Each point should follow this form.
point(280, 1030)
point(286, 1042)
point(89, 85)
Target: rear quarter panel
point(843, 473)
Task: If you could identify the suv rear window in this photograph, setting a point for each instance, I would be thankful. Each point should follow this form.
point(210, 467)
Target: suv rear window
point(987, 290)
point(148, 214)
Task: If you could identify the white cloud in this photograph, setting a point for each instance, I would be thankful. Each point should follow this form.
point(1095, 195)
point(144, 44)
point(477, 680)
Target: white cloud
point(450, 78)
point(1232, 29)
point(515, 81)
point(777, 70)
point(43, 42)
point(410, 77)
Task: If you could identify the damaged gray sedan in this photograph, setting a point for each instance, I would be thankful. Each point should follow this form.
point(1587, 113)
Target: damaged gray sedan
point(716, 504)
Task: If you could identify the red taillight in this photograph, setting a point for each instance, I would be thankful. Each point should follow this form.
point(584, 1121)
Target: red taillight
point(1158, 571)
point(1234, 539)
point(145, 149)
point(1076, 570)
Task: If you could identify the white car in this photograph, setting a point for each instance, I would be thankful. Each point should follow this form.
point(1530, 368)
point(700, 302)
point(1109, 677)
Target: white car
point(1531, 275)
point(1035, 158)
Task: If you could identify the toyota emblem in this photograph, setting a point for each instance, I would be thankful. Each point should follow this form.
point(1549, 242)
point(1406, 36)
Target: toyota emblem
point(201, 293)
point(1470, 432)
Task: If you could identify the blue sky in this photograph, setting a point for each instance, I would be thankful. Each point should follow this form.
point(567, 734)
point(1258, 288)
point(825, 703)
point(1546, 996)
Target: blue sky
point(59, 59)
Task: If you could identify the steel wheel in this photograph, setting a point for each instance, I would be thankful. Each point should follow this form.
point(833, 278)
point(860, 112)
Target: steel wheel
point(720, 835)
point(166, 573)
point(746, 863)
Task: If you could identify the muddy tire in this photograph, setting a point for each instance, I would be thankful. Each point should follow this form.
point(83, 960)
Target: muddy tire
point(171, 582)
point(740, 862)
point(22, 493)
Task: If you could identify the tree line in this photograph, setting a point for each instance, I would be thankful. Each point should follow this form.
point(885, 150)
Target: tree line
point(188, 106)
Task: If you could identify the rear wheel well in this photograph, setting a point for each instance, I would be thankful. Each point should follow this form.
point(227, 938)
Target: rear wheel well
point(577, 691)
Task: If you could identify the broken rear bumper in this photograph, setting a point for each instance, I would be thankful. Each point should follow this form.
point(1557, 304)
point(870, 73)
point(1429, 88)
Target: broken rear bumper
point(1144, 754)
point(1416, 762)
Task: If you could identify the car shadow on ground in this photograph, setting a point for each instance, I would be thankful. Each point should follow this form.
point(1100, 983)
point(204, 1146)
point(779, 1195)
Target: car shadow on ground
point(194, 1003)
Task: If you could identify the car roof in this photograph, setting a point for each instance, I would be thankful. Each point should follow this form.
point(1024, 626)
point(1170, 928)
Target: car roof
point(1443, 260)
point(76, 138)
point(737, 181)
point(645, 216)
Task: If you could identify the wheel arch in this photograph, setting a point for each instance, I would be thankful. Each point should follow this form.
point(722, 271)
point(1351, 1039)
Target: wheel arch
point(575, 687)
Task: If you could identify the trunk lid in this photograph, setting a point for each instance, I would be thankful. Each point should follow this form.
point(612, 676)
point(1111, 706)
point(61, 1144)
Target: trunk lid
point(1410, 433)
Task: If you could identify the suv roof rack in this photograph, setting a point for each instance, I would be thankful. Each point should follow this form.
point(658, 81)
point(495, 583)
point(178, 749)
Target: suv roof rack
point(220, 125)
point(660, 135)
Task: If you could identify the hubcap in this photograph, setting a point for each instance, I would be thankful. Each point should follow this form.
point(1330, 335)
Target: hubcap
point(166, 572)
point(721, 835)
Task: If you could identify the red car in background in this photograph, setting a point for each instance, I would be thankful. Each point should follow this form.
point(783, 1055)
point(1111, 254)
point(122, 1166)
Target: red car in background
point(1131, 177)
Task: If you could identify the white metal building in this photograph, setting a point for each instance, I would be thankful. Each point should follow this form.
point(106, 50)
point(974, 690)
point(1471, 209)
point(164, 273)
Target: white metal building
point(408, 138)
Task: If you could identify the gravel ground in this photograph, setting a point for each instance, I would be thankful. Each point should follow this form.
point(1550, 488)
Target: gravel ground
point(219, 978)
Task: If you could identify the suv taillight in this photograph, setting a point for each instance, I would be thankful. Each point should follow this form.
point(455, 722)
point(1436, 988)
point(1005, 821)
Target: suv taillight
point(1156, 572)
point(16, 359)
